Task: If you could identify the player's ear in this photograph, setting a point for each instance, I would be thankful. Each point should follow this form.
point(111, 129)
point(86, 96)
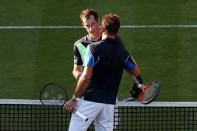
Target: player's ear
point(103, 28)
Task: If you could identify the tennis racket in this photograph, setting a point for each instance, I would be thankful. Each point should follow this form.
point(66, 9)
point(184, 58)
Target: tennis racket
point(54, 94)
point(150, 92)
point(147, 94)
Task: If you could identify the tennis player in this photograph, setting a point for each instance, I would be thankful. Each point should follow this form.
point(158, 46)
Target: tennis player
point(89, 19)
point(97, 89)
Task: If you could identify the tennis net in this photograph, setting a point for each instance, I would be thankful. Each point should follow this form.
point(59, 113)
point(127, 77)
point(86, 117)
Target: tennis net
point(30, 115)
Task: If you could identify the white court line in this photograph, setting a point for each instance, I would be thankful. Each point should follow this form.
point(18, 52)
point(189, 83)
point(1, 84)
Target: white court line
point(78, 27)
point(159, 26)
point(40, 27)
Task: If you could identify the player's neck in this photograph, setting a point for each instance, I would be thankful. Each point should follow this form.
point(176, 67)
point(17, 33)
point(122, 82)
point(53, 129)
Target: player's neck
point(94, 37)
point(105, 36)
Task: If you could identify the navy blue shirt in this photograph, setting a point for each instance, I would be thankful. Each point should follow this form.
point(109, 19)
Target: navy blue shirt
point(108, 58)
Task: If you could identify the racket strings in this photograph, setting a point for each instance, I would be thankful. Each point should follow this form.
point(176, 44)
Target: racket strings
point(53, 94)
point(151, 92)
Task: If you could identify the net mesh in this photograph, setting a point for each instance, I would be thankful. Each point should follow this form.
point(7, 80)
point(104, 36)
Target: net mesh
point(30, 115)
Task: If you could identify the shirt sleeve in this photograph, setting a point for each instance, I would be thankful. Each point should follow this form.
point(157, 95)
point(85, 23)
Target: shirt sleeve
point(88, 58)
point(129, 64)
point(77, 56)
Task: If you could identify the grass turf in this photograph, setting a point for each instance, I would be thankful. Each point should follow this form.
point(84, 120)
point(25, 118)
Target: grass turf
point(31, 57)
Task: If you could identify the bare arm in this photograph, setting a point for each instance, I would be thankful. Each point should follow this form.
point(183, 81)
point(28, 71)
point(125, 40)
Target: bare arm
point(133, 69)
point(83, 81)
point(80, 88)
point(77, 71)
point(136, 75)
point(135, 72)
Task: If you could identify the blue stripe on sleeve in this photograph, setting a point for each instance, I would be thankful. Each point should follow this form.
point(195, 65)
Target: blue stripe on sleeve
point(88, 58)
point(129, 64)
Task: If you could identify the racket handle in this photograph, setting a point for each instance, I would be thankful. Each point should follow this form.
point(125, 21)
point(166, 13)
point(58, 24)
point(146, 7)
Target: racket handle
point(82, 116)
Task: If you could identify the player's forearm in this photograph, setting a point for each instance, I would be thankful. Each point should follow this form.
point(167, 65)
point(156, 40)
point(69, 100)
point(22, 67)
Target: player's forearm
point(77, 71)
point(81, 85)
point(137, 75)
point(83, 82)
point(76, 74)
point(135, 71)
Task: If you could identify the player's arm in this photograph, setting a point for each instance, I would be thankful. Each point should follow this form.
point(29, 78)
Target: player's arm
point(80, 88)
point(133, 69)
point(77, 71)
point(86, 74)
point(77, 67)
point(83, 80)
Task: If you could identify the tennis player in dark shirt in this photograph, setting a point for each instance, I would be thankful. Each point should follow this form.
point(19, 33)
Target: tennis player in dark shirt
point(97, 89)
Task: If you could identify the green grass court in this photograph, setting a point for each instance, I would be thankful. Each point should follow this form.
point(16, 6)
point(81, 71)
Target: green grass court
point(31, 57)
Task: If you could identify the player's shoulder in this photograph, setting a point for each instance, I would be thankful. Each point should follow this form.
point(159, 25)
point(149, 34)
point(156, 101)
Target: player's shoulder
point(96, 44)
point(80, 40)
point(84, 42)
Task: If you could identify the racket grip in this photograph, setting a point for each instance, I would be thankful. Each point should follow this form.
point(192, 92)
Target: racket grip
point(82, 116)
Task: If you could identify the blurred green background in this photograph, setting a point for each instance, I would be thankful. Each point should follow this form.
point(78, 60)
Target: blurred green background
point(31, 57)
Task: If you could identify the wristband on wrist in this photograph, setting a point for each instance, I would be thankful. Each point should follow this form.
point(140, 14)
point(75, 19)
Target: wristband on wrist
point(139, 79)
point(75, 98)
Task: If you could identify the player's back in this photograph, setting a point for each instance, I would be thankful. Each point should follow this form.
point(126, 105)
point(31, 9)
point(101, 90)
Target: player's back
point(109, 56)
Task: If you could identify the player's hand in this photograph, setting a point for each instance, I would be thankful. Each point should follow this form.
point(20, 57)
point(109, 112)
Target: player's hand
point(69, 106)
point(142, 87)
point(136, 89)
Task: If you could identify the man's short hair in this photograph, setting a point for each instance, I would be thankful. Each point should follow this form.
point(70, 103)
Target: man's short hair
point(87, 13)
point(111, 22)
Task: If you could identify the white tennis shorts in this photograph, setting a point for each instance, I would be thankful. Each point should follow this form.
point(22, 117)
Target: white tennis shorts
point(101, 114)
